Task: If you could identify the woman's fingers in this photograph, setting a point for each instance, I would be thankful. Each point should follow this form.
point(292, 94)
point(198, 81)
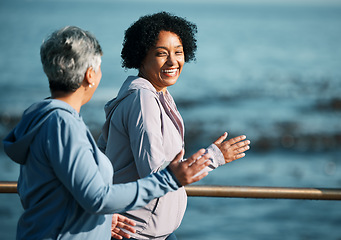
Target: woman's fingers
point(234, 148)
point(241, 145)
point(126, 223)
point(119, 234)
point(236, 139)
point(184, 171)
point(221, 139)
point(196, 155)
point(179, 156)
point(120, 222)
point(127, 220)
point(197, 162)
point(239, 152)
point(199, 177)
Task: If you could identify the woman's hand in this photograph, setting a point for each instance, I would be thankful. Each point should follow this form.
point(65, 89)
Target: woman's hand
point(233, 148)
point(119, 222)
point(186, 170)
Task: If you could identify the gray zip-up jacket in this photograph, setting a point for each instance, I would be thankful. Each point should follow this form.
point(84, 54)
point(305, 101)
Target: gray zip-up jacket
point(143, 132)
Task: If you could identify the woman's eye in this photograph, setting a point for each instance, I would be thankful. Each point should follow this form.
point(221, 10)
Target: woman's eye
point(160, 54)
point(179, 52)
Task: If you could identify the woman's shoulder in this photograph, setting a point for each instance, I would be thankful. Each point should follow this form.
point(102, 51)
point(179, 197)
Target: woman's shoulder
point(66, 118)
point(139, 95)
point(140, 101)
point(147, 93)
point(62, 115)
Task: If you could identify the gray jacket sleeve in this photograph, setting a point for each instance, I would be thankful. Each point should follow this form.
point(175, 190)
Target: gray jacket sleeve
point(144, 127)
point(217, 157)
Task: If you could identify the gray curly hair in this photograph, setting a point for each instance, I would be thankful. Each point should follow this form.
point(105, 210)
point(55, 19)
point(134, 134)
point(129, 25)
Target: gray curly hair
point(66, 55)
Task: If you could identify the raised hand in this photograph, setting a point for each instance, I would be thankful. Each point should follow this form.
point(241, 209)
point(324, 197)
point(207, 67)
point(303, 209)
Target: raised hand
point(120, 222)
point(233, 148)
point(185, 171)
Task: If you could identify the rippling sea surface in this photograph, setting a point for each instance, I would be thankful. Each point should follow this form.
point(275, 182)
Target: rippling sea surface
point(266, 69)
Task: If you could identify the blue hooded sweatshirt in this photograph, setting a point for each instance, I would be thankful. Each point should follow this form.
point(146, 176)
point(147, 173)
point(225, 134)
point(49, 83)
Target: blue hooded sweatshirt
point(65, 180)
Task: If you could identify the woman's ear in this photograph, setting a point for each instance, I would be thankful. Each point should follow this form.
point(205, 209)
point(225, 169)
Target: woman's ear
point(89, 74)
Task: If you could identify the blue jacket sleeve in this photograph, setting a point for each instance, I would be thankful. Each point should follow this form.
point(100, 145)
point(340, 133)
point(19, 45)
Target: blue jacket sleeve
point(87, 173)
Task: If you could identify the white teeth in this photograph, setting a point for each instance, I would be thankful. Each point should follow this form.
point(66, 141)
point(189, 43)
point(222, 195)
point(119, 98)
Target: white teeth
point(170, 71)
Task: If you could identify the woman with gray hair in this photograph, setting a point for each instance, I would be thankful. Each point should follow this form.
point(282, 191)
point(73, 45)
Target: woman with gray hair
point(65, 183)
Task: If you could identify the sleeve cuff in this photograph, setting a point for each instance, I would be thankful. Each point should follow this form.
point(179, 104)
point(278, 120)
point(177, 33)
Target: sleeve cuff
point(217, 156)
point(173, 176)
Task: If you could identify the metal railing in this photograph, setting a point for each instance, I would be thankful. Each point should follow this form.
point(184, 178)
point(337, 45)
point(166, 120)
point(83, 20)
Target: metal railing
point(239, 192)
point(8, 187)
point(264, 192)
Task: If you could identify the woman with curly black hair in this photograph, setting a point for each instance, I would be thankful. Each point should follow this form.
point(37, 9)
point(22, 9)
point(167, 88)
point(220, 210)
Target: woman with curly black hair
point(144, 130)
point(141, 36)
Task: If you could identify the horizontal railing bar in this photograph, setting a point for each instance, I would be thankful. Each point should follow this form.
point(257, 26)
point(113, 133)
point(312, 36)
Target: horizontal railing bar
point(264, 192)
point(8, 187)
point(239, 192)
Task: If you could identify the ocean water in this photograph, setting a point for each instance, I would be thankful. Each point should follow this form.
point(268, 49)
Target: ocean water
point(266, 69)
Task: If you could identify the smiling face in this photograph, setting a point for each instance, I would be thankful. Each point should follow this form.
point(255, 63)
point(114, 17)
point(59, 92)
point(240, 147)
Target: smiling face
point(163, 63)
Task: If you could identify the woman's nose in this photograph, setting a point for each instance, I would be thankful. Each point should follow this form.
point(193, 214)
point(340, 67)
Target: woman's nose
point(171, 60)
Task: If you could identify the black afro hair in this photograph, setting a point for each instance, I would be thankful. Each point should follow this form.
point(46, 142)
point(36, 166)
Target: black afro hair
point(143, 34)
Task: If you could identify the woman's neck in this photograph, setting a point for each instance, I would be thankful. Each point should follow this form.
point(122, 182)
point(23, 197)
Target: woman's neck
point(72, 98)
point(157, 88)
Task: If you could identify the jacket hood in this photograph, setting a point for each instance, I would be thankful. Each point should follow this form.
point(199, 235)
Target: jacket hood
point(17, 143)
point(131, 84)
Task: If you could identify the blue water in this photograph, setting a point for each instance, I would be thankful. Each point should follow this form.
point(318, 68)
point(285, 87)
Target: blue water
point(269, 69)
